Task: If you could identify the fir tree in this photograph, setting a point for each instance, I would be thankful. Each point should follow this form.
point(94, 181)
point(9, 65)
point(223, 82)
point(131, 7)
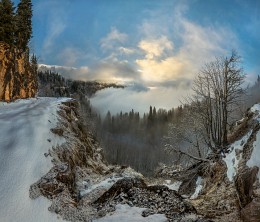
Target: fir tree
point(23, 24)
point(7, 22)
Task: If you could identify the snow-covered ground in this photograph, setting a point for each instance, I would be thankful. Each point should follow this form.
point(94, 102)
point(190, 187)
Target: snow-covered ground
point(125, 213)
point(232, 160)
point(24, 133)
point(255, 161)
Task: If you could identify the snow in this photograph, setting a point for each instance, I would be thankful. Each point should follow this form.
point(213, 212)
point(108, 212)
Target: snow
point(231, 159)
point(255, 108)
point(198, 188)
point(254, 160)
point(126, 213)
point(25, 128)
point(174, 186)
point(107, 184)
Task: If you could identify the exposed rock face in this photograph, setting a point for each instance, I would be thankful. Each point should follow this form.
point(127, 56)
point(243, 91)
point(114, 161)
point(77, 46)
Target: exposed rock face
point(244, 185)
point(17, 79)
point(251, 213)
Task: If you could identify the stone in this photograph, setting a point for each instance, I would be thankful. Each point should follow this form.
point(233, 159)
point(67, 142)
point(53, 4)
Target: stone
point(17, 79)
point(251, 212)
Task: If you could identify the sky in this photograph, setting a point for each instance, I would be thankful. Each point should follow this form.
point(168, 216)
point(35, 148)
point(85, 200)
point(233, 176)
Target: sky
point(158, 46)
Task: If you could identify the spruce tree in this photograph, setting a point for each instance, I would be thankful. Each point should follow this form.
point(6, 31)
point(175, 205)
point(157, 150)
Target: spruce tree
point(34, 64)
point(7, 21)
point(23, 24)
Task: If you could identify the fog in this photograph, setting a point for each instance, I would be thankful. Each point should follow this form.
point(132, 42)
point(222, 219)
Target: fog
point(137, 97)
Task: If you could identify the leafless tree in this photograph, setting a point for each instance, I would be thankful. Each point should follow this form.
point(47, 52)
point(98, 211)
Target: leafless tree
point(217, 93)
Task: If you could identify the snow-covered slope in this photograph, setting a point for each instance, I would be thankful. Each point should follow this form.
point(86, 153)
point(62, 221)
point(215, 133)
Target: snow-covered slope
point(233, 158)
point(24, 138)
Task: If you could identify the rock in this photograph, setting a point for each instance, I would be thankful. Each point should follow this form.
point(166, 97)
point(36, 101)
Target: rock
point(251, 212)
point(57, 131)
point(17, 78)
point(244, 185)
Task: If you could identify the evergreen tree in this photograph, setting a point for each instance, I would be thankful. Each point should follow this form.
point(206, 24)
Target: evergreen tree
point(7, 22)
point(34, 64)
point(23, 20)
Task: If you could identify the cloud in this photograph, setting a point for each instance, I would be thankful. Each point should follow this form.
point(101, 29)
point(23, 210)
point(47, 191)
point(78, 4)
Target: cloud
point(162, 70)
point(52, 14)
point(106, 71)
point(155, 47)
point(197, 45)
point(114, 70)
point(55, 29)
point(113, 38)
point(69, 56)
point(126, 51)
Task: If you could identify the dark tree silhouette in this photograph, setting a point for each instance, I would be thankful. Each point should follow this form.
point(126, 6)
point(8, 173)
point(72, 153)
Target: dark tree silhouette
point(7, 22)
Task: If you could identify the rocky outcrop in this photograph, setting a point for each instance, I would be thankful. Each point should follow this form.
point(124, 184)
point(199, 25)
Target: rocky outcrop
point(17, 79)
point(244, 182)
point(82, 187)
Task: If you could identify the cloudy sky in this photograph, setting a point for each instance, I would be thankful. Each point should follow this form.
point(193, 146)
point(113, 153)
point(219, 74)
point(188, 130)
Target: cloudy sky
point(156, 44)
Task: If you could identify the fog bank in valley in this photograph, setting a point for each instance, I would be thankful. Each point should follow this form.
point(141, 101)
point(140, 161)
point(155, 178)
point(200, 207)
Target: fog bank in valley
point(137, 98)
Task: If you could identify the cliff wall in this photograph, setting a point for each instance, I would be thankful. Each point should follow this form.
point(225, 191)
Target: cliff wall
point(17, 79)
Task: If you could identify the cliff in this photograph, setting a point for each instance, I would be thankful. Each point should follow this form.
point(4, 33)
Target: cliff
point(17, 79)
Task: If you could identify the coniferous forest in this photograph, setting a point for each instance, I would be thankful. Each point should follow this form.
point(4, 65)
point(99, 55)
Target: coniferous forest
point(16, 23)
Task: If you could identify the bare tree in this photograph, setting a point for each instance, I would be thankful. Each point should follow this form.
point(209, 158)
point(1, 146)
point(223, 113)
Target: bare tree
point(217, 92)
point(204, 126)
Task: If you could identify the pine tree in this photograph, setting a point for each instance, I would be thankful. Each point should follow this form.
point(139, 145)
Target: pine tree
point(34, 64)
point(23, 20)
point(7, 22)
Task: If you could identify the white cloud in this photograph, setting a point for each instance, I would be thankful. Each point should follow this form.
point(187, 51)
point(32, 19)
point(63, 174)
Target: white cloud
point(155, 47)
point(126, 51)
point(198, 45)
point(113, 38)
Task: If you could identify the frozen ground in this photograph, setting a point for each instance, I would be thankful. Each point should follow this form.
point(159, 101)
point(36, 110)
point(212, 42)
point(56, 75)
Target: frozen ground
point(25, 128)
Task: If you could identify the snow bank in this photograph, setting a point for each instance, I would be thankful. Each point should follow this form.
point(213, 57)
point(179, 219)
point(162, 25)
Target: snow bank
point(231, 159)
point(125, 213)
point(25, 130)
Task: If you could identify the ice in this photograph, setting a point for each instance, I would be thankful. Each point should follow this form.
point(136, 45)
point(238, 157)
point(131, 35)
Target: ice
point(25, 128)
point(125, 213)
